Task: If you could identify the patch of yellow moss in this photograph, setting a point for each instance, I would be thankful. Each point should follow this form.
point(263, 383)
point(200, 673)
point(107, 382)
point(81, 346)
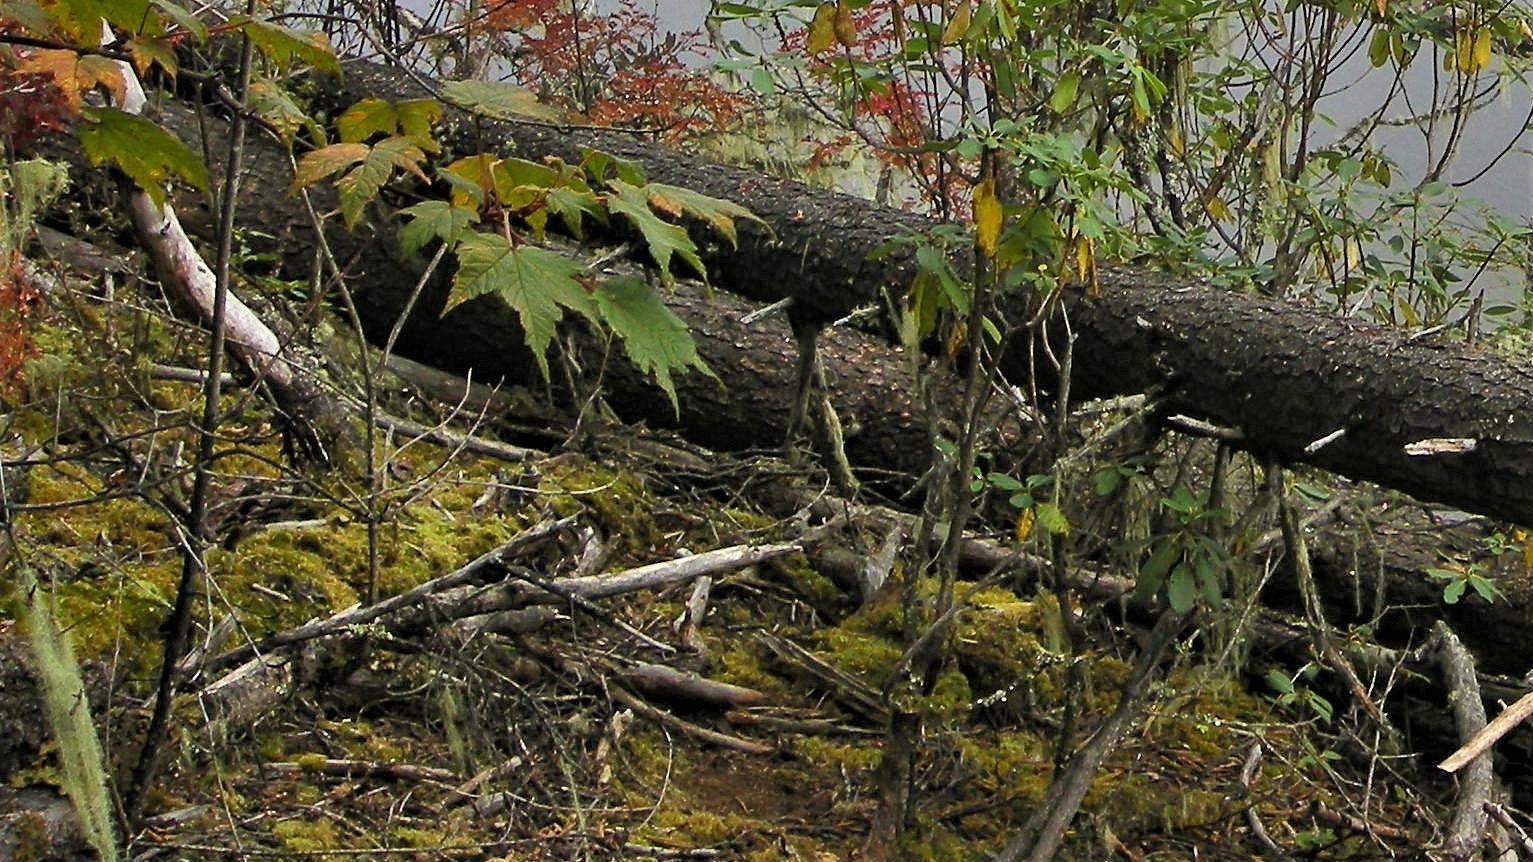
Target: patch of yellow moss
point(306, 836)
point(616, 501)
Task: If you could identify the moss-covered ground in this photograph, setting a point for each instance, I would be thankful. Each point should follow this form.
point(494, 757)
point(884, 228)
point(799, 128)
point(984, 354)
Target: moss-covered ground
point(533, 758)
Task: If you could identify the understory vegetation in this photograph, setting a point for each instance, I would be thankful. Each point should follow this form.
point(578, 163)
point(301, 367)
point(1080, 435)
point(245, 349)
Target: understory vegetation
point(274, 590)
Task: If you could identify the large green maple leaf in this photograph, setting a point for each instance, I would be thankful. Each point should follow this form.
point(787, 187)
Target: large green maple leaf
point(656, 341)
point(538, 284)
point(663, 238)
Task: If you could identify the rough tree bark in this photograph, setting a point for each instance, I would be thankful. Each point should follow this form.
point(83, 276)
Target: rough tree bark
point(1284, 376)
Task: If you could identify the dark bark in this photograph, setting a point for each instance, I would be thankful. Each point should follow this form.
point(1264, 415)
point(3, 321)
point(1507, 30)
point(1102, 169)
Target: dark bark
point(1285, 376)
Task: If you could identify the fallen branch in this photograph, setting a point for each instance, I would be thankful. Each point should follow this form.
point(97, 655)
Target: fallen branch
point(359, 615)
point(660, 716)
point(668, 683)
point(1466, 831)
point(361, 769)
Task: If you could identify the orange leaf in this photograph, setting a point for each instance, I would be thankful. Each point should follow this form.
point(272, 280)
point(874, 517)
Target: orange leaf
point(76, 74)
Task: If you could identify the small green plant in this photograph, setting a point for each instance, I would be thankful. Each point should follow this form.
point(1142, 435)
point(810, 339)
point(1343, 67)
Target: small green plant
point(1457, 578)
point(1292, 691)
point(1032, 513)
point(1186, 563)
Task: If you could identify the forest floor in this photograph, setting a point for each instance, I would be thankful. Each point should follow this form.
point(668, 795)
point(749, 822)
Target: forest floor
point(545, 726)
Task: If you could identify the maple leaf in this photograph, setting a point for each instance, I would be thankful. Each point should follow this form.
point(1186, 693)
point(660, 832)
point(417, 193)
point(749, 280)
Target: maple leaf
point(149, 52)
point(82, 19)
point(498, 100)
point(76, 74)
point(361, 184)
point(284, 46)
point(656, 341)
point(269, 101)
point(367, 169)
point(148, 154)
point(416, 117)
point(366, 118)
point(717, 213)
point(536, 283)
point(431, 220)
point(472, 179)
point(663, 238)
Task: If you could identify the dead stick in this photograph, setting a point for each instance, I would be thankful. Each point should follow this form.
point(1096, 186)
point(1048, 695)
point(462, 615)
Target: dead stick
point(355, 616)
point(1466, 831)
point(660, 716)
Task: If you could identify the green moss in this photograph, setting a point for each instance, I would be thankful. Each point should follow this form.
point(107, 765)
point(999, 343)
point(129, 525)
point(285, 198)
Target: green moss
point(406, 836)
point(815, 588)
point(1006, 762)
point(617, 501)
point(740, 664)
point(365, 740)
point(306, 836)
point(281, 578)
point(870, 656)
point(827, 752)
point(697, 828)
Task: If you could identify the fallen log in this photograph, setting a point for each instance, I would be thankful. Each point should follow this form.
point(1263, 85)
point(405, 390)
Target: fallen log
point(1285, 376)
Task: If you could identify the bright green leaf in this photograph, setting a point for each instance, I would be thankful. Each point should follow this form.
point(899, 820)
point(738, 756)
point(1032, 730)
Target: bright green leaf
point(1052, 519)
point(656, 341)
point(538, 284)
point(431, 220)
point(1065, 91)
point(148, 154)
point(663, 238)
point(1454, 591)
point(572, 205)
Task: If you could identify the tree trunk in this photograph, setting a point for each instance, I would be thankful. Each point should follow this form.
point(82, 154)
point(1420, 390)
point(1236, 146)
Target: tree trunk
point(1284, 376)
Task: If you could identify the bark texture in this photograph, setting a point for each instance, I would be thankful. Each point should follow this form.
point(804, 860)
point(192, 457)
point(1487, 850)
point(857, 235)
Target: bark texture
point(1285, 376)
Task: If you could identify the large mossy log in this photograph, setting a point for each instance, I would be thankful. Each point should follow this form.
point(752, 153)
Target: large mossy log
point(1284, 376)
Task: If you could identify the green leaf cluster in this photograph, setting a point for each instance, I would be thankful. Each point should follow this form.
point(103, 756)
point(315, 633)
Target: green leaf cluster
point(1185, 565)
